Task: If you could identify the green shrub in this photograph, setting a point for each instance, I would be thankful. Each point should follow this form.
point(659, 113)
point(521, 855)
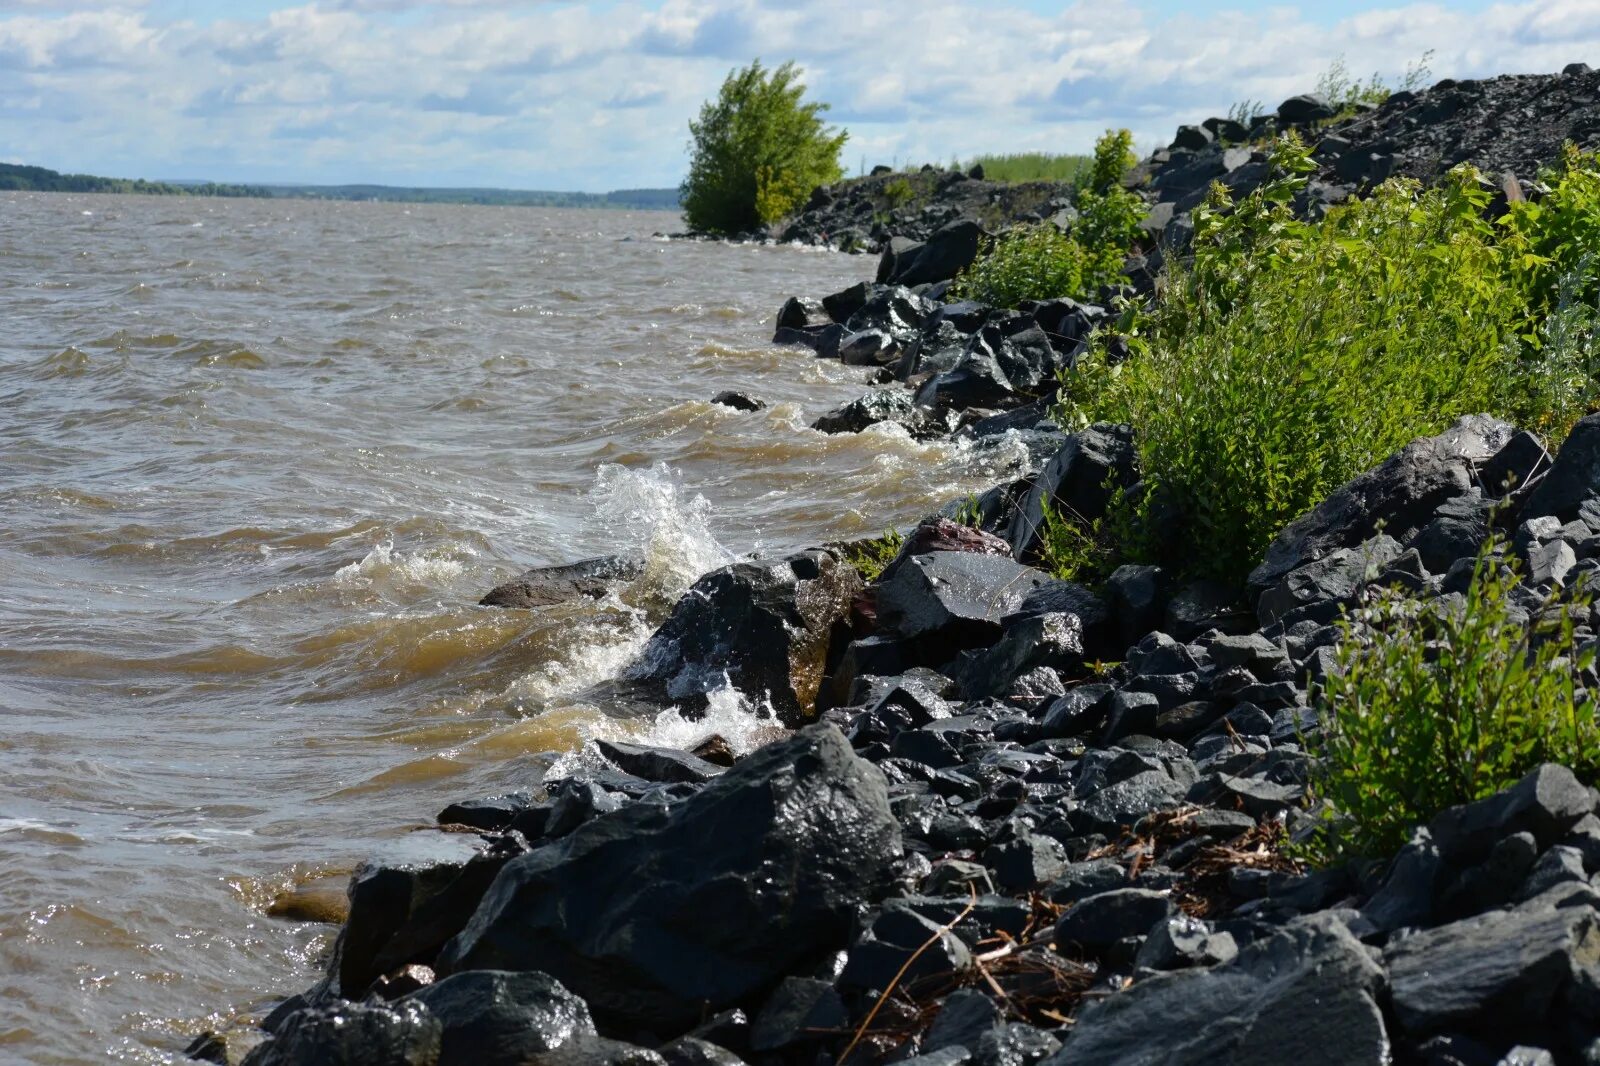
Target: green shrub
point(871, 556)
point(1034, 262)
point(1442, 702)
point(899, 192)
point(1040, 262)
point(1289, 356)
point(1031, 166)
point(757, 151)
point(1344, 92)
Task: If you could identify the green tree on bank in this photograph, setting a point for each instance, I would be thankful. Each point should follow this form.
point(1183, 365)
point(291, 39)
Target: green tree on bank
point(757, 151)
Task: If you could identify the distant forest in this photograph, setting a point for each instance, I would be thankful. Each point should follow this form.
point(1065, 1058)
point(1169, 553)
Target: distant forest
point(40, 179)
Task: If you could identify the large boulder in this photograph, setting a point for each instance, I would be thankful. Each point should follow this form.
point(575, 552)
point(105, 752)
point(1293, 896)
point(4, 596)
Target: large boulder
point(762, 627)
point(880, 405)
point(1306, 995)
point(950, 250)
point(1575, 476)
point(1077, 483)
point(545, 586)
point(407, 900)
point(947, 601)
point(660, 915)
point(1506, 970)
point(1398, 497)
point(354, 1034)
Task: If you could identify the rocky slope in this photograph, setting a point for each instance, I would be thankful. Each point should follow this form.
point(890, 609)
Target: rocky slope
point(1017, 820)
point(1509, 127)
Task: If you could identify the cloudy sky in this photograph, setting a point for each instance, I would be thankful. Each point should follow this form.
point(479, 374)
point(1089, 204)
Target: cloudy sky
point(595, 96)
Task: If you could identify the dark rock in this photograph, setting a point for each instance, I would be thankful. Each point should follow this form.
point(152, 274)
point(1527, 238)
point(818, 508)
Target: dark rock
point(1138, 600)
point(587, 1050)
point(1014, 1044)
point(880, 405)
point(1181, 941)
point(1303, 109)
point(354, 1034)
point(949, 251)
point(1118, 806)
point(824, 340)
point(798, 312)
point(546, 586)
point(739, 401)
point(1054, 640)
point(1508, 965)
point(1324, 582)
point(842, 306)
point(655, 915)
point(657, 764)
point(1407, 894)
point(492, 1016)
point(489, 814)
point(1304, 995)
point(1193, 138)
point(1080, 711)
point(1574, 478)
point(939, 534)
point(1546, 803)
point(764, 628)
point(693, 1051)
point(1514, 465)
point(1399, 496)
point(1024, 862)
point(1080, 880)
point(1101, 920)
point(1130, 712)
point(947, 601)
point(905, 945)
point(1078, 483)
point(392, 897)
point(965, 1018)
point(800, 1010)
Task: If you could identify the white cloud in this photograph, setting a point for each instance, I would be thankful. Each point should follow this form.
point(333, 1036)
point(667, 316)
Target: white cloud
point(569, 95)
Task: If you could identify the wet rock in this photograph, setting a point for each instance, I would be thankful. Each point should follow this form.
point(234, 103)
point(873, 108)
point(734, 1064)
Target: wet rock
point(1305, 995)
point(490, 1016)
point(1399, 496)
point(588, 1050)
point(1025, 861)
point(798, 312)
point(739, 401)
point(1180, 942)
point(656, 763)
point(489, 814)
point(947, 601)
point(692, 1051)
point(906, 945)
point(656, 915)
point(800, 1010)
point(1101, 920)
point(938, 533)
point(1054, 640)
point(842, 306)
point(880, 405)
point(1511, 966)
point(407, 901)
point(764, 628)
point(228, 1048)
point(545, 586)
point(1077, 483)
point(354, 1034)
point(964, 1019)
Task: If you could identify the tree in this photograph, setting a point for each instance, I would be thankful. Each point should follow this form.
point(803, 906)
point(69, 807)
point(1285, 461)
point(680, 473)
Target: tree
point(757, 151)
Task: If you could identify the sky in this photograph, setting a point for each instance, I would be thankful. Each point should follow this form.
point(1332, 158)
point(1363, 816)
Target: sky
point(542, 94)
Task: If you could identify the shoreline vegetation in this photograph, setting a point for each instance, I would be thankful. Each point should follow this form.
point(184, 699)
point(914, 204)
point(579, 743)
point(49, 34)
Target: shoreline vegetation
point(1256, 723)
point(15, 178)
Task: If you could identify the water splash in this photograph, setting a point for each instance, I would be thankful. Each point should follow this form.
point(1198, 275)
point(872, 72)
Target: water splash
point(383, 569)
point(649, 515)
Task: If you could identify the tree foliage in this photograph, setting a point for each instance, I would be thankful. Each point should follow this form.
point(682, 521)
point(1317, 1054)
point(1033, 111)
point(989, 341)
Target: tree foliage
point(757, 151)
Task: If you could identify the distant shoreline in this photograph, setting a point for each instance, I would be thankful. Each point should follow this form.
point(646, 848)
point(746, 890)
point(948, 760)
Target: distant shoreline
point(15, 178)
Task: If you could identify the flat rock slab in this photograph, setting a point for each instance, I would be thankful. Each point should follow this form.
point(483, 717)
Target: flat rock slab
point(546, 586)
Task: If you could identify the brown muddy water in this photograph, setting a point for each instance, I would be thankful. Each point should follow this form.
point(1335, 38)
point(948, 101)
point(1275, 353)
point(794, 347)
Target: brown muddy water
point(258, 461)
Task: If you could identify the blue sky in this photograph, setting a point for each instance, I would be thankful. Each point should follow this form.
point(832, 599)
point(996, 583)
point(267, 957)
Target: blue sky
point(562, 95)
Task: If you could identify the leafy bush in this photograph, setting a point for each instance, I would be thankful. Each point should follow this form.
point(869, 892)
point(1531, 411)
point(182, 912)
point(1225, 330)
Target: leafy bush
point(1031, 166)
point(1446, 701)
point(1289, 356)
point(871, 556)
point(899, 192)
point(1040, 262)
point(757, 151)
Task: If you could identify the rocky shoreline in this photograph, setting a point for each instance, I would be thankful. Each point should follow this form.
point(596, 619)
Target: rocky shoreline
point(1012, 819)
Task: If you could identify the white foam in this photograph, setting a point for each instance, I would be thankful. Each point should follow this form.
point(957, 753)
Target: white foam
point(647, 514)
point(389, 569)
